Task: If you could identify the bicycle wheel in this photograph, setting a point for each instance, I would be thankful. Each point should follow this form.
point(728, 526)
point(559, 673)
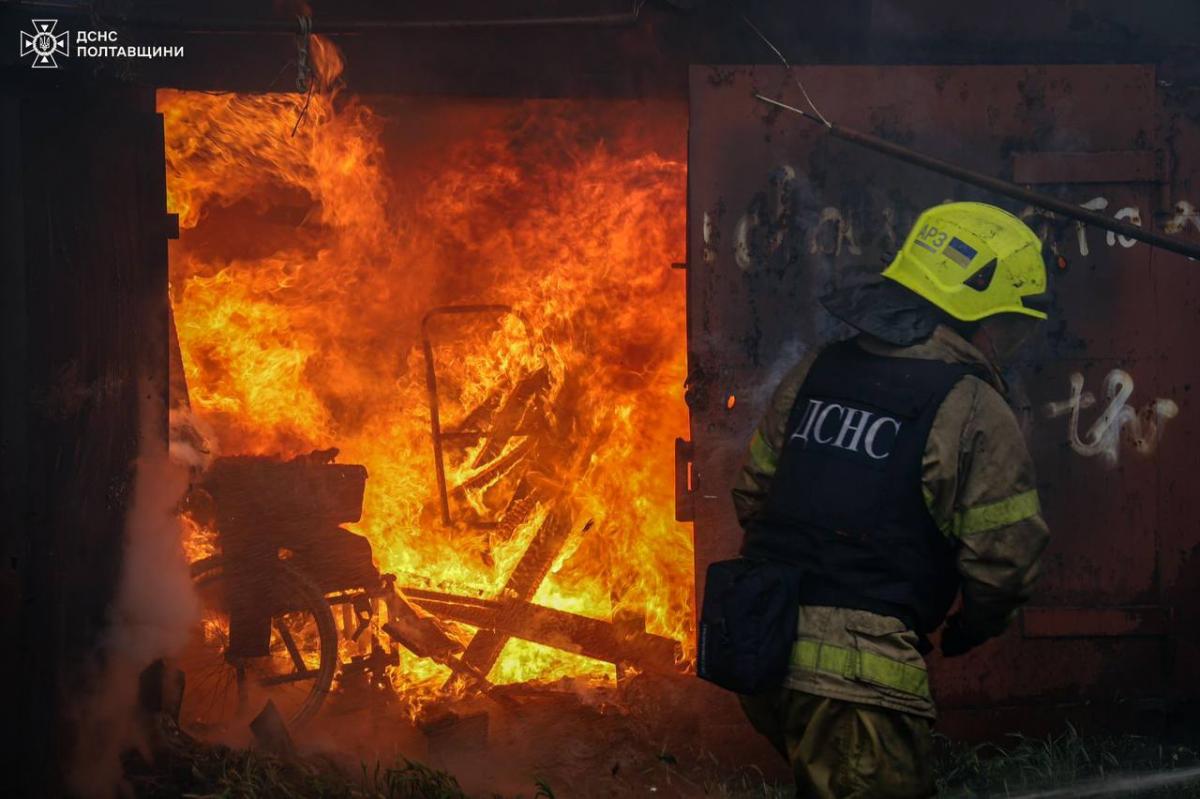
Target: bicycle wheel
point(222, 691)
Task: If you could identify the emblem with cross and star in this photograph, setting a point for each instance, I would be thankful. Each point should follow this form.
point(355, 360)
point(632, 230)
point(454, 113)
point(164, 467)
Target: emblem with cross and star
point(44, 43)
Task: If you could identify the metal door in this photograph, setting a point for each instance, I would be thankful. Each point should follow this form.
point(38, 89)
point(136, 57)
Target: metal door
point(778, 214)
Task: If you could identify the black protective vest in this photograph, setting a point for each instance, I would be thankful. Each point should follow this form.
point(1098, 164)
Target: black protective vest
point(846, 503)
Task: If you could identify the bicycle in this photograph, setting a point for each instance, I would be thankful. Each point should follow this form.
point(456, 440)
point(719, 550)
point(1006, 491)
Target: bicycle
point(287, 585)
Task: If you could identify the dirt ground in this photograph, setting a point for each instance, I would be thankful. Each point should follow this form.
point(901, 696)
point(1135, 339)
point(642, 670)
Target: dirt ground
point(564, 740)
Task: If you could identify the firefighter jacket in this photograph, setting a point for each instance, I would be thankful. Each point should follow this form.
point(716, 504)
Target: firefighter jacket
point(976, 481)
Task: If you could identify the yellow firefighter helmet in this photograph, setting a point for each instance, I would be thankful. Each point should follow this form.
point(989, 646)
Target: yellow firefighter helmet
point(973, 260)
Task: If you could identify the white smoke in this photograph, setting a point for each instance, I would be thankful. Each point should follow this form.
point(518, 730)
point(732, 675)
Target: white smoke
point(155, 604)
point(191, 441)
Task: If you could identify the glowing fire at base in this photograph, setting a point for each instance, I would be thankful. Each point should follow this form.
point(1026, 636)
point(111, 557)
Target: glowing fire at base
point(306, 264)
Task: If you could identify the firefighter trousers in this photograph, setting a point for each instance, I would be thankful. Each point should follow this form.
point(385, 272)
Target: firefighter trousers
point(844, 750)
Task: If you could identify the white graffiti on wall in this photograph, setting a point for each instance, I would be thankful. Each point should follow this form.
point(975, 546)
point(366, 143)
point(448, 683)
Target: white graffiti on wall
point(1103, 438)
point(772, 214)
point(843, 231)
point(760, 230)
point(1185, 212)
point(1094, 204)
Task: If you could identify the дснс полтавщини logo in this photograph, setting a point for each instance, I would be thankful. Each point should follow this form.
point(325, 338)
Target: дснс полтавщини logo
point(44, 44)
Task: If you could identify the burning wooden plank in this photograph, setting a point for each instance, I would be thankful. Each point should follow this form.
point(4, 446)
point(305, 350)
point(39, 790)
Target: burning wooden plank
point(562, 457)
point(417, 630)
point(519, 411)
point(522, 584)
point(620, 644)
point(495, 468)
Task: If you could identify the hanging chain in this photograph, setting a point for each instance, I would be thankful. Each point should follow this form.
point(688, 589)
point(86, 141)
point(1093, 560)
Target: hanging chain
point(304, 74)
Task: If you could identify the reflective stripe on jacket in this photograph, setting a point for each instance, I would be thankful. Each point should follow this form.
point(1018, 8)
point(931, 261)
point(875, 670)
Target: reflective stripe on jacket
point(978, 484)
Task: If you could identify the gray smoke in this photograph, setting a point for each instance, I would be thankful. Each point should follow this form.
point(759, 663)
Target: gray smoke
point(155, 604)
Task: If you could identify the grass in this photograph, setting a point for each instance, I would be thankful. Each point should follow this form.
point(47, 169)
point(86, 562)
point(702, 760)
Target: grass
point(1025, 765)
point(219, 772)
point(1063, 765)
point(1021, 767)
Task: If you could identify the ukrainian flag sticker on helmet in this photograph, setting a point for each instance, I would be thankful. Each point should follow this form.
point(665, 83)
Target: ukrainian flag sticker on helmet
point(950, 248)
point(960, 252)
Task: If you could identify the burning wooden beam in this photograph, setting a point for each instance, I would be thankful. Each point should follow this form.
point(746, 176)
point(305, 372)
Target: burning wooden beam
point(562, 459)
point(620, 644)
point(522, 584)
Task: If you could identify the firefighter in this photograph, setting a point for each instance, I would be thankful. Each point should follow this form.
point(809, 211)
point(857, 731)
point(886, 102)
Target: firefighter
point(891, 472)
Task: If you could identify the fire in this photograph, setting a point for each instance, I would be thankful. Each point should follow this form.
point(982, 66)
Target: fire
point(307, 262)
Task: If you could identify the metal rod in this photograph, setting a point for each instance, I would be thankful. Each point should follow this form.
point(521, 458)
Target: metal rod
point(336, 27)
point(999, 186)
point(435, 422)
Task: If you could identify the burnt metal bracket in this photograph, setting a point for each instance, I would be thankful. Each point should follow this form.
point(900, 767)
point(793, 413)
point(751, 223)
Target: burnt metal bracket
point(685, 490)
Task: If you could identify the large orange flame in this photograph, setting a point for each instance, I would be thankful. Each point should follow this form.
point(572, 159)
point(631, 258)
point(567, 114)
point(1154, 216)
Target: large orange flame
point(306, 263)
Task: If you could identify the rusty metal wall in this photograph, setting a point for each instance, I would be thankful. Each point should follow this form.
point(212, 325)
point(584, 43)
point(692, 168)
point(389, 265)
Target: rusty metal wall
point(779, 214)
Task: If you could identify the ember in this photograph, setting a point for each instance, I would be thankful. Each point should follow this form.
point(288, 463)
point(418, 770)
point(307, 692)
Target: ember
point(475, 302)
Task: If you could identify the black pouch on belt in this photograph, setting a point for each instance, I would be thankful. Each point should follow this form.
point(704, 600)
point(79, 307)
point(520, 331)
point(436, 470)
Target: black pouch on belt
point(748, 624)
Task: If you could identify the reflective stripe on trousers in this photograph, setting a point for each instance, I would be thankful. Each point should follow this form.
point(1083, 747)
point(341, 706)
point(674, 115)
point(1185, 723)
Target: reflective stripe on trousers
point(810, 655)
